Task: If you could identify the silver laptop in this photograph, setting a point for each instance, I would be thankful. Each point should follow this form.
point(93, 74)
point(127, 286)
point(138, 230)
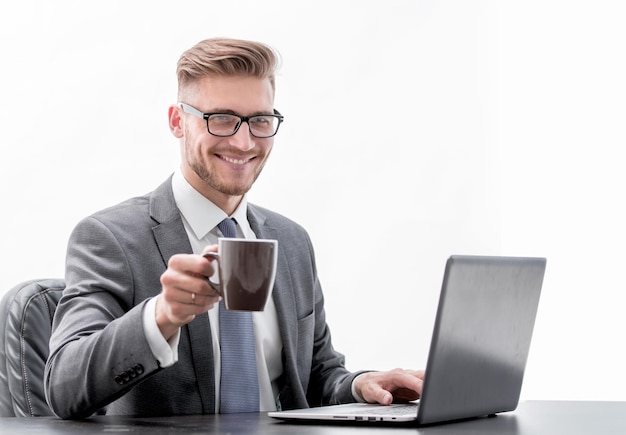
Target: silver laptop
point(480, 343)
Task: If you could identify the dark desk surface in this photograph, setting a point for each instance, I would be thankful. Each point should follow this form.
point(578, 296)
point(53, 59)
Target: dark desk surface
point(533, 417)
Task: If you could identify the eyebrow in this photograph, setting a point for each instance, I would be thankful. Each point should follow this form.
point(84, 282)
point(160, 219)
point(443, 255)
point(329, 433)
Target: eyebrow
point(232, 112)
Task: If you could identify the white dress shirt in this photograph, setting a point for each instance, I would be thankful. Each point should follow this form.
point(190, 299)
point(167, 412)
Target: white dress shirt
point(200, 218)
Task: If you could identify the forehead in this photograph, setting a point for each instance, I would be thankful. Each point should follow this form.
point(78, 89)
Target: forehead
point(238, 93)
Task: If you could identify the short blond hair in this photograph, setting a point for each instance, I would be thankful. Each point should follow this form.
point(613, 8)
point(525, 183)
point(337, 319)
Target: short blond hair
point(227, 57)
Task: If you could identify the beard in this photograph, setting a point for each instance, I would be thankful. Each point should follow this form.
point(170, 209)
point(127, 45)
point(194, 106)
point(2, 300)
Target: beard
point(212, 179)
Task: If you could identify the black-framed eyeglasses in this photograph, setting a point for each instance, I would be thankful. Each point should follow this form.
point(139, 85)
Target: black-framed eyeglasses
point(227, 124)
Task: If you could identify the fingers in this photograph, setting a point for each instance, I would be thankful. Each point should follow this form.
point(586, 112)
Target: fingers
point(210, 248)
point(185, 290)
point(397, 385)
point(192, 265)
point(376, 394)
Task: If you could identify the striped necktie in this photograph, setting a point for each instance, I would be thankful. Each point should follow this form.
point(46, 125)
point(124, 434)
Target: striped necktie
point(239, 383)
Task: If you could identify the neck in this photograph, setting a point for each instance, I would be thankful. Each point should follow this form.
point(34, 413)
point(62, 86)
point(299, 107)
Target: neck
point(227, 203)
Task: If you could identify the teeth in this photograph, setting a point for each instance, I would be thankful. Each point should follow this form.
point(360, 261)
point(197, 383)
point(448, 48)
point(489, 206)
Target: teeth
point(235, 161)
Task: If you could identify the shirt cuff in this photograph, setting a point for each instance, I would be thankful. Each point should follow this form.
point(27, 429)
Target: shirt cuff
point(356, 395)
point(165, 351)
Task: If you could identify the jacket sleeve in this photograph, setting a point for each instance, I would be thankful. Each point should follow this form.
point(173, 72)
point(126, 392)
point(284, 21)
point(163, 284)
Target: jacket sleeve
point(98, 350)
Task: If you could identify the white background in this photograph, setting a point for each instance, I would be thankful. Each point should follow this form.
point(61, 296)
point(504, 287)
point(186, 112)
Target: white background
point(426, 128)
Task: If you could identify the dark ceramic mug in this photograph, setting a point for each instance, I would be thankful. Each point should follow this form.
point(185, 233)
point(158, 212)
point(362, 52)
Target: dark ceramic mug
point(246, 270)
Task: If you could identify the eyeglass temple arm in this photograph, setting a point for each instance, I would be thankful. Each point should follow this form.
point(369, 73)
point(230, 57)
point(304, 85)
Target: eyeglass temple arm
point(190, 109)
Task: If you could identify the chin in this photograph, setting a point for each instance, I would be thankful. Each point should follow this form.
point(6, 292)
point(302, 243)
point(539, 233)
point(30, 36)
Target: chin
point(233, 189)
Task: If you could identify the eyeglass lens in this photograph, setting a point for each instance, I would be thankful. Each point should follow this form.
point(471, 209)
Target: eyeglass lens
point(226, 125)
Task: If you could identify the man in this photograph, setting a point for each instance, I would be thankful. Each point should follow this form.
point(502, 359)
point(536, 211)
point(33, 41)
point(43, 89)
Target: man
point(136, 331)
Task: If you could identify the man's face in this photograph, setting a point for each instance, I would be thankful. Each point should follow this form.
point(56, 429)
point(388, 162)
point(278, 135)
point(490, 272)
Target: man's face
point(224, 168)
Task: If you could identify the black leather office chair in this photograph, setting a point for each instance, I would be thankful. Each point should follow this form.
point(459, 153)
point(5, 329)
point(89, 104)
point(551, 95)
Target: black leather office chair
point(26, 313)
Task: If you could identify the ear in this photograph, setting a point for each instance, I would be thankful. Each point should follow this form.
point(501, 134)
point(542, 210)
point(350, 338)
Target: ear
point(175, 121)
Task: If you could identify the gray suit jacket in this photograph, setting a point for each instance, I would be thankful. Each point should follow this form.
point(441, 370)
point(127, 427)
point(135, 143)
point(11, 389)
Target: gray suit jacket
point(99, 357)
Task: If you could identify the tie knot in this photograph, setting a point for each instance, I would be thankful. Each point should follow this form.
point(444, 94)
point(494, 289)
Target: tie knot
point(228, 227)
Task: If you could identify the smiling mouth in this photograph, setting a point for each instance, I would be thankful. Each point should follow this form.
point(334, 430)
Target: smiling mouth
point(234, 161)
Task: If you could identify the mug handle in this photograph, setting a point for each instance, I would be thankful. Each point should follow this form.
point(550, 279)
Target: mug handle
point(214, 256)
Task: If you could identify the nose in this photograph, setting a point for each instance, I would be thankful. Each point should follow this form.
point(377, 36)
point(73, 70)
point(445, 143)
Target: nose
point(243, 140)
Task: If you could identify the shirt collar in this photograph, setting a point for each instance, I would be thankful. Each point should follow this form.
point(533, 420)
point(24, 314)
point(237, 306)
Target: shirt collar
point(201, 214)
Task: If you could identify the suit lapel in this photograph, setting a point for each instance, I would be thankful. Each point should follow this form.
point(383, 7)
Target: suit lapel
point(284, 300)
point(171, 238)
point(282, 294)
